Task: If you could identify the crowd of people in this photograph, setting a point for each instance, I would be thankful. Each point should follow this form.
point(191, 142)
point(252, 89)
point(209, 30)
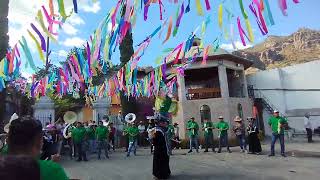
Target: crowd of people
point(27, 138)
point(276, 122)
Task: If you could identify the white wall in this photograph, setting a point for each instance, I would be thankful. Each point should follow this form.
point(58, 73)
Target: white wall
point(291, 90)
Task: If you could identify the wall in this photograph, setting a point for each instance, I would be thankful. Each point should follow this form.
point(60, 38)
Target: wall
point(293, 90)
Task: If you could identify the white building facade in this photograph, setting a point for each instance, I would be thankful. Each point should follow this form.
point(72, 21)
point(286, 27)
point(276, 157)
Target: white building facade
point(293, 90)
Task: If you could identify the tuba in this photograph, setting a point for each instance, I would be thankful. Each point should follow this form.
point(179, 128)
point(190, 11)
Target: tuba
point(130, 118)
point(69, 118)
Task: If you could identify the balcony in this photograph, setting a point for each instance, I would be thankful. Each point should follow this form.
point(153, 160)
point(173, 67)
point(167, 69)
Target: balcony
point(203, 93)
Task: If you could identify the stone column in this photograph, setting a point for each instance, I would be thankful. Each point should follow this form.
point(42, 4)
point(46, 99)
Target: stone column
point(44, 110)
point(223, 80)
point(100, 108)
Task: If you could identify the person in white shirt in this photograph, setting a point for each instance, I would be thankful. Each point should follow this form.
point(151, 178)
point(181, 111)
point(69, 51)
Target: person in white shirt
point(308, 126)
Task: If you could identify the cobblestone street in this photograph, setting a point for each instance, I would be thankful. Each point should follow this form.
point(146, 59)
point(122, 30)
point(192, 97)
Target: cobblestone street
point(302, 163)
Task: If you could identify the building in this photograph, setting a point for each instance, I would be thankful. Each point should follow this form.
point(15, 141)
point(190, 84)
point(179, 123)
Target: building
point(293, 90)
point(217, 88)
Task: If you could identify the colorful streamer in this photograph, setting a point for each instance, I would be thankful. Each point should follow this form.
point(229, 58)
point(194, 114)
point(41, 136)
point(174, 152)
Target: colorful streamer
point(220, 11)
point(38, 46)
point(199, 8)
point(169, 31)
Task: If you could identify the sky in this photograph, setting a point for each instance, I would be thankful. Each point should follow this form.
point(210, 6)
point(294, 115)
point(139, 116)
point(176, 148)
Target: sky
point(79, 27)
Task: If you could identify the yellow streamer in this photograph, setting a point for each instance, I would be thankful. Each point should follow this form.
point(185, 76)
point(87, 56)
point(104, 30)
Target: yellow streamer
point(199, 8)
point(249, 29)
point(220, 11)
point(44, 29)
point(38, 46)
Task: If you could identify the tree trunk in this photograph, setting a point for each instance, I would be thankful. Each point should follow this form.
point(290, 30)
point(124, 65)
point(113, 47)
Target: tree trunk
point(4, 38)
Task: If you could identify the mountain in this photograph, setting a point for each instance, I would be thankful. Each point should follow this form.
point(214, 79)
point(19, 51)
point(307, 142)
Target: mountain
point(280, 51)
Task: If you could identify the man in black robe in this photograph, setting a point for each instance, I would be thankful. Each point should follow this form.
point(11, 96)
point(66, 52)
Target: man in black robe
point(161, 169)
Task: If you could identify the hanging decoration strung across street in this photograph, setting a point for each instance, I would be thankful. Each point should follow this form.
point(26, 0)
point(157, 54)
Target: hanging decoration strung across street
point(77, 73)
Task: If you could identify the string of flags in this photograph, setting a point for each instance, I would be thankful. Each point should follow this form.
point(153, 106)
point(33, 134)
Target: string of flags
point(76, 74)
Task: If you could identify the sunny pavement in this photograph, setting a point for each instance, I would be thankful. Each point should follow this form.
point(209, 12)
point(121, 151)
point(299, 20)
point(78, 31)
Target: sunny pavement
point(302, 163)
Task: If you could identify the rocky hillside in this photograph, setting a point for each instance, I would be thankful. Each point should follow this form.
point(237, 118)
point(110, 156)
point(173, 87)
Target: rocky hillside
point(280, 51)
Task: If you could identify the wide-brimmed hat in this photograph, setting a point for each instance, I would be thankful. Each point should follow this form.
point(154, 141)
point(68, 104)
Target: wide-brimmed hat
point(275, 111)
point(175, 123)
point(192, 118)
point(12, 118)
point(220, 117)
point(237, 119)
point(163, 117)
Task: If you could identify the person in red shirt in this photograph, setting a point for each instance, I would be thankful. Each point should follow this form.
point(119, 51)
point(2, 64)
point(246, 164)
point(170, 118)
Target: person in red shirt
point(112, 132)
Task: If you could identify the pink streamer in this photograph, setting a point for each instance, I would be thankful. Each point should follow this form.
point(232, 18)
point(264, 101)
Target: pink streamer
point(50, 21)
point(241, 32)
point(283, 6)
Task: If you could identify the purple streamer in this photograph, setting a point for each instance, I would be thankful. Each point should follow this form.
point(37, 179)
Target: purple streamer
point(89, 60)
point(43, 42)
point(180, 15)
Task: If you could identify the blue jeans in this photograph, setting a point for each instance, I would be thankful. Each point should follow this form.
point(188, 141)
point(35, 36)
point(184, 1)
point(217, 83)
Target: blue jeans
point(276, 136)
point(102, 144)
point(132, 147)
point(208, 139)
point(223, 140)
point(242, 141)
point(194, 141)
point(92, 145)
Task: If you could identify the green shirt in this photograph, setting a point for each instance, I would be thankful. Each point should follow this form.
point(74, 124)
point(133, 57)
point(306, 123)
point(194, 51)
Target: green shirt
point(223, 127)
point(102, 133)
point(90, 133)
point(275, 122)
point(78, 134)
point(4, 150)
point(208, 126)
point(133, 133)
point(50, 170)
point(193, 128)
point(170, 131)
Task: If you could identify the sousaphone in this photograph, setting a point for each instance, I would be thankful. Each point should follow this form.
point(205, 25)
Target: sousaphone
point(69, 118)
point(130, 118)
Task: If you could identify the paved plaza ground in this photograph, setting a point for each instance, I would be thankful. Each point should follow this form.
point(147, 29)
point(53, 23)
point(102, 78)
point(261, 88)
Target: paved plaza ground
point(302, 163)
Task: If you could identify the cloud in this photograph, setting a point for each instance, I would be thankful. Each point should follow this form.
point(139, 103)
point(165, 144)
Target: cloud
point(238, 44)
point(94, 8)
point(62, 53)
point(69, 29)
point(75, 19)
point(73, 42)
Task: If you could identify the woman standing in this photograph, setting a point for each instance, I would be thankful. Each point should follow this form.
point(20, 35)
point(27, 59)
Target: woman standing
point(253, 140)
point(161, 169)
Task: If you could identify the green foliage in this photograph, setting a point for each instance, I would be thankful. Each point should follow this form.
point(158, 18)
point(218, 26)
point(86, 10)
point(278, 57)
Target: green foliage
point(66, 103)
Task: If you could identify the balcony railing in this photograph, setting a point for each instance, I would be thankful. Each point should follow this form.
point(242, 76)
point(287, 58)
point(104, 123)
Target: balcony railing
point(203, 93)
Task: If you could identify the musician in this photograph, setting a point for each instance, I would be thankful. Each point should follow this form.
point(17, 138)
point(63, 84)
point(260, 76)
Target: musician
point(240, 132)
point(91, 138)
point(25, 138)
point(223, 128)
point(208, 135)
point(161, 169)
point(142, 130)
point(176, 135)
point(151, 127)
point(253, 139)
point(112, 133)
point(133, 133)
point(102, 133)
point(78, 136)
point(277, 124)
point(193, 128)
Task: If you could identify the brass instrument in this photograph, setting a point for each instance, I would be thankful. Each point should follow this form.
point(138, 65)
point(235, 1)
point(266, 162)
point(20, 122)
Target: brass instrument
point(69, 118)
point(130, 118)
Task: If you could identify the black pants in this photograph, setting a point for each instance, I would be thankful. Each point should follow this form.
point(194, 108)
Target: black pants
point(309, 134)
point(111, 140)
point(81, 152)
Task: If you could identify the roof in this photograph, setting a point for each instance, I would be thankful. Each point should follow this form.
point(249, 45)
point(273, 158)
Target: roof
point(219, 54)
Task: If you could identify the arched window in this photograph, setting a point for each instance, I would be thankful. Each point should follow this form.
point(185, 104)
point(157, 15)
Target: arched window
point(205, 113)
point(240, 112)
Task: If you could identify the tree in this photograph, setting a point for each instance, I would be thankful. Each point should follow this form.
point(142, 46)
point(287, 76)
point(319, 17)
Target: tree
point(128, 104)
point(4, 40)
